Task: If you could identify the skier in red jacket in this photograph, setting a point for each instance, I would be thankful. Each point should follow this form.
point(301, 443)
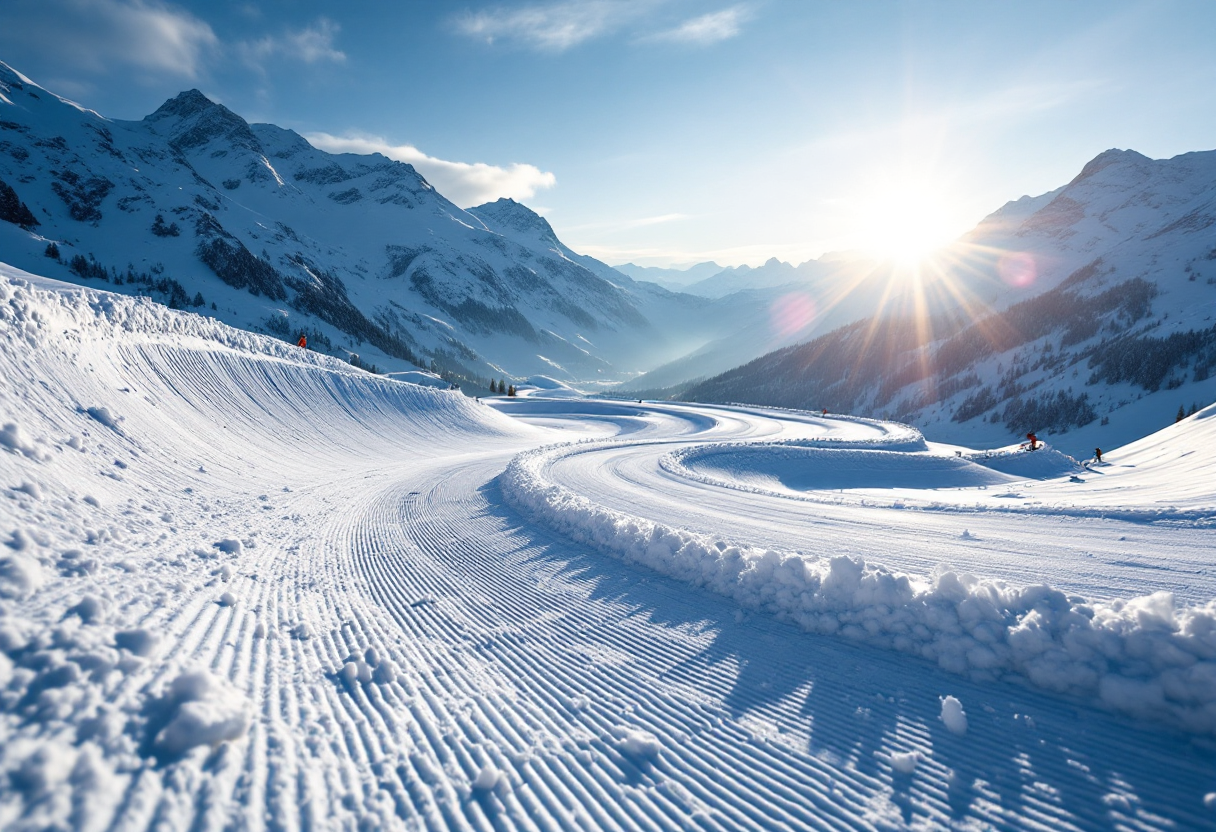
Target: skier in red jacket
point(1032, 442)
point(302, 343)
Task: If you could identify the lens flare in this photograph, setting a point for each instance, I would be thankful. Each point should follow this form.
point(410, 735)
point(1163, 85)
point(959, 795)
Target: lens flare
point(792, 312)
point(1017, 268)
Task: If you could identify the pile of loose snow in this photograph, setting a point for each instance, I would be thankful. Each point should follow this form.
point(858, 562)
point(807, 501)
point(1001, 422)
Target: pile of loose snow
point(202, 709)
point(1142, 656)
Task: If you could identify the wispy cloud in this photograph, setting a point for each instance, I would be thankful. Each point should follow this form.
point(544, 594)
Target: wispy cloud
point(311, 45)
point(551, 27)
point(625, 225)
point(93, 34)
point(464, 183)
point(708, 28)
point(558, 26)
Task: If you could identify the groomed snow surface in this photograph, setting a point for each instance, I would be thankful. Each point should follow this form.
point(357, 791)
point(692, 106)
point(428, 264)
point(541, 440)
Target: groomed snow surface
point(245, 586)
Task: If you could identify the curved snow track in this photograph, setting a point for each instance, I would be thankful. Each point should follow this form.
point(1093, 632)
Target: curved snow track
point(393, 644)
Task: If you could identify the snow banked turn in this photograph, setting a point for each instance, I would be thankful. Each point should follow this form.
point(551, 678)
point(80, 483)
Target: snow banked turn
point(245, 586)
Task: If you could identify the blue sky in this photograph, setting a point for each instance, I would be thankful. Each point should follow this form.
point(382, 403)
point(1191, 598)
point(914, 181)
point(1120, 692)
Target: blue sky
point(673, 131)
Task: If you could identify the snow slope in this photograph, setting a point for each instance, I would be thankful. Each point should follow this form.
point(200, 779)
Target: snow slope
point(245, 586)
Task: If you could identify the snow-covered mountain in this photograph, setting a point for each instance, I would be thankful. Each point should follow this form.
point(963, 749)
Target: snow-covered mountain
point(1092, 307)
point(197, 207)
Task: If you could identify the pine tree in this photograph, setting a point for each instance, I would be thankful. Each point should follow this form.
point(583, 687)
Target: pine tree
point(511, 390)
point(52, 251)
point(1181, 414)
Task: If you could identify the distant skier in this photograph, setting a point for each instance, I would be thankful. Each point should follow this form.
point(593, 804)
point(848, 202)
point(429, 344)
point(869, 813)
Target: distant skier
point(302, 343)
point(1098, 454)
point(1032, 442)
point(825, 411)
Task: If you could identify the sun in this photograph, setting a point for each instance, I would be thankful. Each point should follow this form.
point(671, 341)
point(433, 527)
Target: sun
point(906, 222)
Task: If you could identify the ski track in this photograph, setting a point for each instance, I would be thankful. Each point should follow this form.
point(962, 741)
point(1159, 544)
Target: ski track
point(504, 648)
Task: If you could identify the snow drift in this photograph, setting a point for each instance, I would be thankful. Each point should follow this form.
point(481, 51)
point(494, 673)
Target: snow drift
point(1142, 656)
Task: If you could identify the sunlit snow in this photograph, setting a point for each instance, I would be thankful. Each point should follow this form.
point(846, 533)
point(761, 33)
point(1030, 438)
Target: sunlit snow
point(245, 585)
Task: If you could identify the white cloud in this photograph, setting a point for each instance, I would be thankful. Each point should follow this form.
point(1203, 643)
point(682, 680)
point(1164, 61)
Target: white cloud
point(310, 45)
point(95, 33)
point(464, 183)
point(625, 225)
point(708, 28)
point(552, 27)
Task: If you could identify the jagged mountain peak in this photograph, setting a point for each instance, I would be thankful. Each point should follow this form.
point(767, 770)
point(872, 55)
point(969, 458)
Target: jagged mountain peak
point(506, 216)
point(191, 119)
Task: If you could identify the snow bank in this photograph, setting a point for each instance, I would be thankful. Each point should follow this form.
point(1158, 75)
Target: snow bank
point(546, 387)
point(1044, 463)
point(1141, 656)
point(800, 468)
point(810, 470)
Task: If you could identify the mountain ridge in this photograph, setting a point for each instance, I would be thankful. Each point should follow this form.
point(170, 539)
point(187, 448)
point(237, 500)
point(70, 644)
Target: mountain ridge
point(272, 234)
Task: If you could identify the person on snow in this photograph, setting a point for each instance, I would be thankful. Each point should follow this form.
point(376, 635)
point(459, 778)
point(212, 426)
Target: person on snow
point(1098, 454)
point(303, 342)
point(1032, 442)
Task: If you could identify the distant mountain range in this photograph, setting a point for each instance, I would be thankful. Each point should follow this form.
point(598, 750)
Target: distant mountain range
point(1085, 310)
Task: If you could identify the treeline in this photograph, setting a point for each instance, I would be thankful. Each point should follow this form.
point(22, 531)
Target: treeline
point(233, 263)
point(1148, 361)
point(1055, 412)
point(153, 285)
point(13, 210)
point(1077, 317)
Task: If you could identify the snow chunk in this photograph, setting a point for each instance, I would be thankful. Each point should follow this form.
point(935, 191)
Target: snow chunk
point(14, 438)
point(1209, 800)
point(356, 670)
point(20, 576)
point(638, 744)
point(386, 673)
point(905, 761)
point(954, 716)
point(141, 642)
point(487, 779)
point(229, 546)
point(104, 416)
point(91, 610)
point(206, 710)
point(43, 770)
point(226, 600)
point(33, 489)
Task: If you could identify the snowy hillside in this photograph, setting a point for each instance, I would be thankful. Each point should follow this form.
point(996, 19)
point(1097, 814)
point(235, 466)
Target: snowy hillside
point(199, 209)
point(248, 586)
point(1090, 310)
